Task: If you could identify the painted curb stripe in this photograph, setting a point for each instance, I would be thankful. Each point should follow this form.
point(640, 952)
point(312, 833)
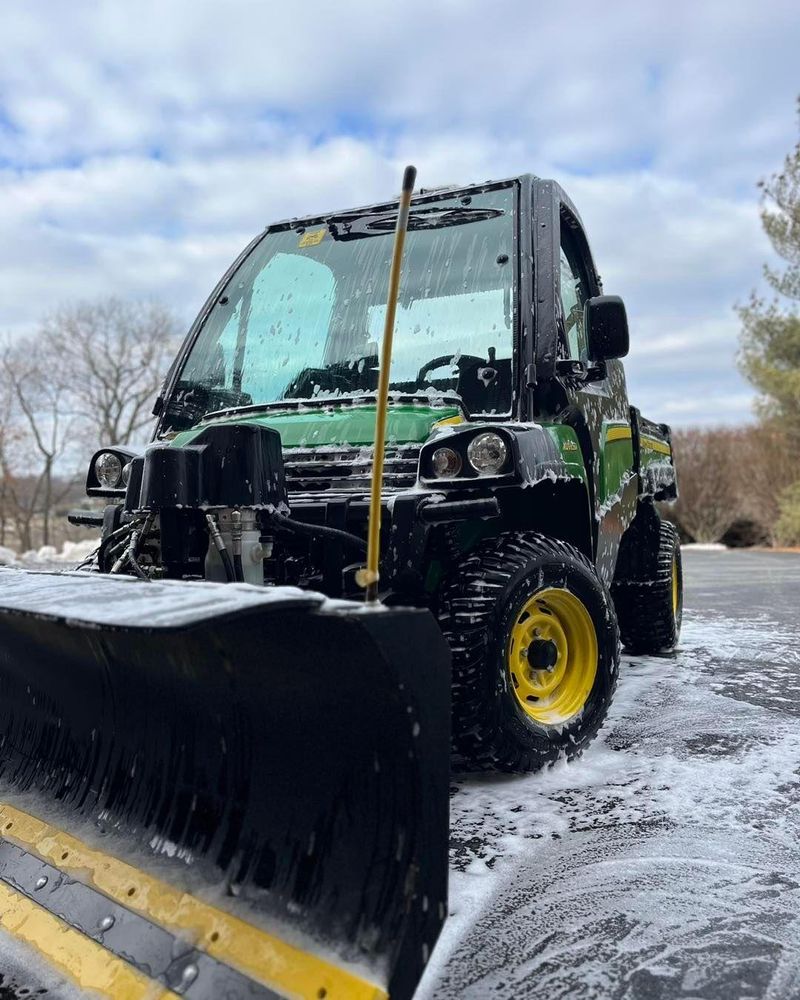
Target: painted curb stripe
point(655, 445)
point(156, 953)
point(80, 959)
point(261, 956)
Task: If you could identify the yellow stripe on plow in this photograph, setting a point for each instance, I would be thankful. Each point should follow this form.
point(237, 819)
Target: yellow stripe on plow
point(256, 953)
point(80, 959)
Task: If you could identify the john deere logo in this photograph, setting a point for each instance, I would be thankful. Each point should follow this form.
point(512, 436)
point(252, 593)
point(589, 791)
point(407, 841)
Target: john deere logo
point(569, 446)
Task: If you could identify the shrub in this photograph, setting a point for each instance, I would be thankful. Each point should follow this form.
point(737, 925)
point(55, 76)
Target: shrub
point(787, 527)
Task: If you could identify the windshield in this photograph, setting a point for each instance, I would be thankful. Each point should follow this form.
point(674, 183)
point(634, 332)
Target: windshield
point(302, 317)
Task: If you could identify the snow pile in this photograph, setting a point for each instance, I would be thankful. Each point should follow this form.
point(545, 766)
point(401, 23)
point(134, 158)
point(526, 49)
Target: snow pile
point(71, 553)
point(705, 546)
point(7, 556)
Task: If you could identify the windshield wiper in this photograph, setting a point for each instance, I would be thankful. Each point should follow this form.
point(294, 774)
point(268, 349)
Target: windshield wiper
point(356, 227)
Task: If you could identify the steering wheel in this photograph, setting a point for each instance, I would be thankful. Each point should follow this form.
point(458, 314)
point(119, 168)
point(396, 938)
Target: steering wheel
point(464, 361)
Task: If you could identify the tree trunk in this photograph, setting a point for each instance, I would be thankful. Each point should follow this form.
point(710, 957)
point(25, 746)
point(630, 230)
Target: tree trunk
point(48, 499)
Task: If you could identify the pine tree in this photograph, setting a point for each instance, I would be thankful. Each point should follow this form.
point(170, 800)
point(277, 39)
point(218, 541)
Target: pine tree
point(770, 341)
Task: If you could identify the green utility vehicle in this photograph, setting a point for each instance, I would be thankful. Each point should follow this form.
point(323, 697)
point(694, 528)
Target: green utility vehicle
point(213, 692)
point(520, 484)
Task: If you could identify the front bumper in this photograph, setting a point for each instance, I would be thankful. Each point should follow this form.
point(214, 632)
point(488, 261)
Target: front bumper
point(406, 521)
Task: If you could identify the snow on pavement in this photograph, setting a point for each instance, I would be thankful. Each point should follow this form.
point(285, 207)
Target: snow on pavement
point(665, 862)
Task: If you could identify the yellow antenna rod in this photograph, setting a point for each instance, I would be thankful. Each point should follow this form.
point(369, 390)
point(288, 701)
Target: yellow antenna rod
point(369, 577)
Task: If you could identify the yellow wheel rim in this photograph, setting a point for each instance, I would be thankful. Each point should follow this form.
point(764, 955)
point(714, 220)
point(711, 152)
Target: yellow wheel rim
point(552, 656)
point(676, 588)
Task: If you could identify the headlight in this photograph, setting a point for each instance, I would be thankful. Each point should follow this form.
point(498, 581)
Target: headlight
point(108, 469)
point(446, 463)
point(487, 453)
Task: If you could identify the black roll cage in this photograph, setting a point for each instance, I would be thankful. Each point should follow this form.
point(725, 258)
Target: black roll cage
point(552, 207)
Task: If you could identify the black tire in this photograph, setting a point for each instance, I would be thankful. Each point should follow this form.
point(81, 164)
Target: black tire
point(480, 604)
point(648, 594)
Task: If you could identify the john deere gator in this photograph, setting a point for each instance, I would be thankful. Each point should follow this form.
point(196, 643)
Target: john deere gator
point(213, 693)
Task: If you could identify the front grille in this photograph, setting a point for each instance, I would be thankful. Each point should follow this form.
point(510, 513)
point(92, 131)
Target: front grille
point(345, 469)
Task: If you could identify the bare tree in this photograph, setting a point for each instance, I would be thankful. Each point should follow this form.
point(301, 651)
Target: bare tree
point(767, 464)
point(8, 432)
point(733, 476)
point(705, 460)
point(42, 433)
point(88, 377)
point(111, 357)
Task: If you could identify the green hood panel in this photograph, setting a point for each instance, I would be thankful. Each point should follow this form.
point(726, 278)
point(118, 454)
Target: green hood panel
point(349, 425)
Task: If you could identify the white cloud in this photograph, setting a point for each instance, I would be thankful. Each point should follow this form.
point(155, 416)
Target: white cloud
point(142, 145)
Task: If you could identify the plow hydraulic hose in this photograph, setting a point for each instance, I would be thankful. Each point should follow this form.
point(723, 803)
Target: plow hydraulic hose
point(369, 577)
point(321, 530)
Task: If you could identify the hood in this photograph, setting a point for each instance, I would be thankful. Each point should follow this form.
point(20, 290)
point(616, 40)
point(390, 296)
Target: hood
point(339, 425)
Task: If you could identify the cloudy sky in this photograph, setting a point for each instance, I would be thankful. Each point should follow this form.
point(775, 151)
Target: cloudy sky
point(142, 143)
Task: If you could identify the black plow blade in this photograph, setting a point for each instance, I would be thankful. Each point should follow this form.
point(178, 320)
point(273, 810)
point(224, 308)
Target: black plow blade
point(220, 790)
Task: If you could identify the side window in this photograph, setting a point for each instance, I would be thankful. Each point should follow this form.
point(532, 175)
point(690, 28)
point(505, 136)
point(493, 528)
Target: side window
point(573, 297)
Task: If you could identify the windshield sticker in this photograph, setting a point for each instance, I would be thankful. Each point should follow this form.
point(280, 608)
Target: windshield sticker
point(313, 238)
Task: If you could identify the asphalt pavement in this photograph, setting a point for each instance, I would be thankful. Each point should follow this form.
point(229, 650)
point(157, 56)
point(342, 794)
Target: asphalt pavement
point(666, 862)
point(663, 864)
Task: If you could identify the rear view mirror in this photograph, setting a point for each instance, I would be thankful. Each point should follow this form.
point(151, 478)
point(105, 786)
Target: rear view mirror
point(607, 326)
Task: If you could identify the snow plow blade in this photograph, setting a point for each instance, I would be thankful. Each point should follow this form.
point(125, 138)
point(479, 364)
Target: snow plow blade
point(221, 790)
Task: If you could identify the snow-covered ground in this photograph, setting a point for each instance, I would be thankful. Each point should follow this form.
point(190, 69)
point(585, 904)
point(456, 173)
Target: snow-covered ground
point(666, 862)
